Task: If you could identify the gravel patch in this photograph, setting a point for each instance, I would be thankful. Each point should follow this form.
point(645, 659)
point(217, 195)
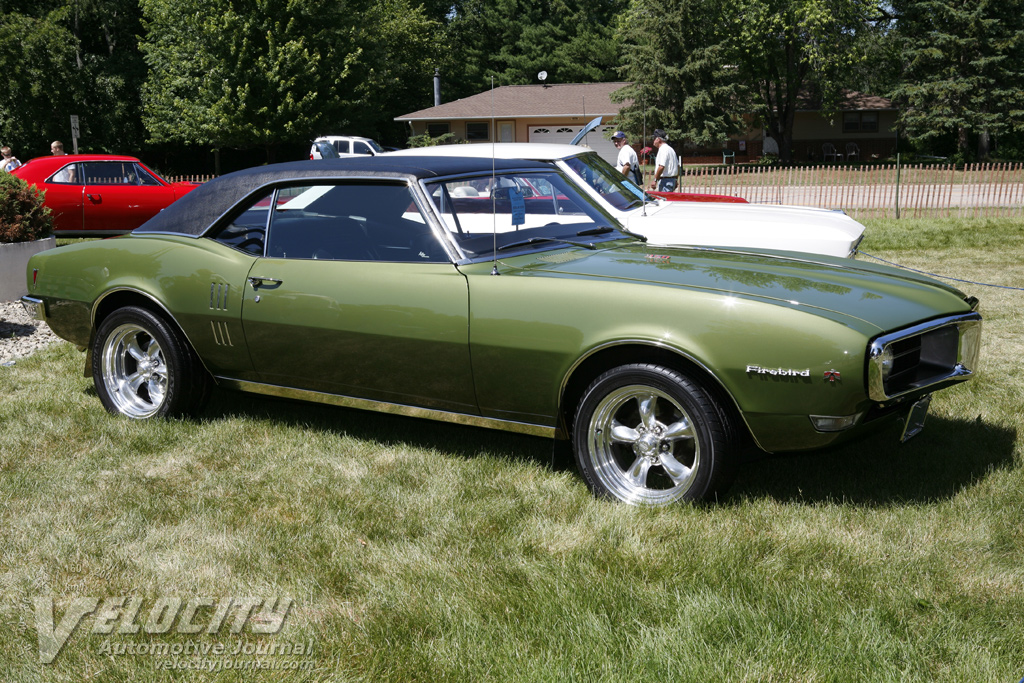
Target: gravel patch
point(20, 335)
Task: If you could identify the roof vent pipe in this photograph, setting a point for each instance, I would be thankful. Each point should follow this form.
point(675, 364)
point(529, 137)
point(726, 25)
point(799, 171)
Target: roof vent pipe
point(437, 87)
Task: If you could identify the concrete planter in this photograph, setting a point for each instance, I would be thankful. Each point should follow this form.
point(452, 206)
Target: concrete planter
point(13, 261)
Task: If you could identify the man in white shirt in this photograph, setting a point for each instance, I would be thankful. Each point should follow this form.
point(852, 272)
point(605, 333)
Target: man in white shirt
point(627, 161)
point(9, 162)
point(666, 164)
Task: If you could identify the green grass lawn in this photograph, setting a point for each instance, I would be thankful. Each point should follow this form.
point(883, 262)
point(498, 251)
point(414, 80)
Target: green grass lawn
point(418, 551)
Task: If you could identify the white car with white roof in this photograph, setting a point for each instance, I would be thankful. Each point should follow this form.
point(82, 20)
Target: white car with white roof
point(747, 226)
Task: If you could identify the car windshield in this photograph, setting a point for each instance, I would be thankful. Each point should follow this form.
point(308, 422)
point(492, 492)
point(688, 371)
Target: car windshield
point(616, 189)
point(519, 211)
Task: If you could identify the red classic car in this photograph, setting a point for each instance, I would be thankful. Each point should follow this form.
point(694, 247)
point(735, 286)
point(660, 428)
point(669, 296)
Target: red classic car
point(99, 194)
point(698, 197)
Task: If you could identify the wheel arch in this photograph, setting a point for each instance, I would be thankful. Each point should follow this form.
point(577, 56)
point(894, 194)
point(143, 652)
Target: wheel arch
point(121, 297)
point(613, 355)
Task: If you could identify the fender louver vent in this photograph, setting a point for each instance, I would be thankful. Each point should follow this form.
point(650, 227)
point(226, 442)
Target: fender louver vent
point(219, 296)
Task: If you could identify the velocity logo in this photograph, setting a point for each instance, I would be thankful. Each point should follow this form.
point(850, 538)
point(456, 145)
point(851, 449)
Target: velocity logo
point(126, 616)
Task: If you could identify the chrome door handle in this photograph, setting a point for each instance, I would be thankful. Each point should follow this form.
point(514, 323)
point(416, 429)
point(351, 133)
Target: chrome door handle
point(256, 280)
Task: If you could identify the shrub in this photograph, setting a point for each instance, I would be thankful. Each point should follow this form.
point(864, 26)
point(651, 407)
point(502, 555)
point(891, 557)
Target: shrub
point(425, 140)
point(23, 218)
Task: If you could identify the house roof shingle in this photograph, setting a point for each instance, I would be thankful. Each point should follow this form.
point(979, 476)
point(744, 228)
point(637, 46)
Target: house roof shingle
point(515, 101)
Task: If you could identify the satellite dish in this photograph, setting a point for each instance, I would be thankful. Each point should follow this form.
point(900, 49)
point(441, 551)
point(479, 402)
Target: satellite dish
point(542, 75)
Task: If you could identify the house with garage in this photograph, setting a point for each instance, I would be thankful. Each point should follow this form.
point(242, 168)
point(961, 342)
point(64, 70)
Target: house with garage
point(525, 113)
point(556, 113)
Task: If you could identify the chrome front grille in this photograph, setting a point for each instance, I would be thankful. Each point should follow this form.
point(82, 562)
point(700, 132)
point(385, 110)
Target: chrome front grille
point(925, 356)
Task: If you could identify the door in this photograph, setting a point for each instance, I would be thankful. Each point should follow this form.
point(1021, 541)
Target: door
point(115, 198)
point(506, 131)
point(356, 296)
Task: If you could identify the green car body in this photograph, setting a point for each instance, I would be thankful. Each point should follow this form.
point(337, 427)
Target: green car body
point(788, 349)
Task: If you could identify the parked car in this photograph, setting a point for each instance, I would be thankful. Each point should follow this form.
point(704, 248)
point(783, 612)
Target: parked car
point(753, 226)
point(347, 146)
point(99, 194)
point(697, 197)
point(508, 298)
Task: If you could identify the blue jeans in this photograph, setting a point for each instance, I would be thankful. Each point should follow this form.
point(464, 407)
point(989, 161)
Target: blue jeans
point(666, 184)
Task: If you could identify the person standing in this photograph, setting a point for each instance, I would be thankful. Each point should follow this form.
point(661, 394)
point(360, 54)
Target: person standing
point(627, 161)
point(9, 162)
point(57, 148)
point(666, 165)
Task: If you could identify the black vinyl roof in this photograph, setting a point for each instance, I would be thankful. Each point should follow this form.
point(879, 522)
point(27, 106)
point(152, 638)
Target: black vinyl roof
point(200, 208)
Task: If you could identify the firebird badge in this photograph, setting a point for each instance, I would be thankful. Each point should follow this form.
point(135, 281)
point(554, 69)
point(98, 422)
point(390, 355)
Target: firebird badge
point(783, 372)
point(832, 376)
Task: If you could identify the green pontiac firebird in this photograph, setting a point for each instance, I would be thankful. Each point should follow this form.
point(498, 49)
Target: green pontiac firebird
point(493, 293)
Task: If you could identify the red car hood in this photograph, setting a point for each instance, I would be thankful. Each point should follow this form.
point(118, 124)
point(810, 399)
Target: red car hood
point(698, 197)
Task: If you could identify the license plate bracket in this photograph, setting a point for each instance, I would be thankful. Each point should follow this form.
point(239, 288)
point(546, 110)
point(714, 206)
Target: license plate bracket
point(916, 416)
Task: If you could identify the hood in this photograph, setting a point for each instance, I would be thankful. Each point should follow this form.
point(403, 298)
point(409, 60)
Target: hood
point(883, 297)
point(768, 216)
point(594, 123)
point(748, 226)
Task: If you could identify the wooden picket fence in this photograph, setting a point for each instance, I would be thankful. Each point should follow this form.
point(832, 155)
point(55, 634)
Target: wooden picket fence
point(189, 178)
point(889, 190)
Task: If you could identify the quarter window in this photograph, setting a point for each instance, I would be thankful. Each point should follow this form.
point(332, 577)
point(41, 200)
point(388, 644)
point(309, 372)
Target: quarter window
point(247, 230)
point(69, 175)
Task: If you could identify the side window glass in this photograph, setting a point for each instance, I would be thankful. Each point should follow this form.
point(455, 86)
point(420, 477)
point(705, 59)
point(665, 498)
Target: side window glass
point(351, 222)
point(360, 147)
point(144, 176)
point(97, 173)
point(247, 230)
point(70, 175)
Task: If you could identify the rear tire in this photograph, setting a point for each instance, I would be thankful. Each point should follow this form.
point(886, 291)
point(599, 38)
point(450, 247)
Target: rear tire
point(649, 435)
point(144, 367)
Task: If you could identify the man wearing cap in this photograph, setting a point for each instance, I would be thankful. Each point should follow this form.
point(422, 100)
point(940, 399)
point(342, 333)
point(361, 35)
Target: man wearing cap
point(666, 164)
point(627, 161)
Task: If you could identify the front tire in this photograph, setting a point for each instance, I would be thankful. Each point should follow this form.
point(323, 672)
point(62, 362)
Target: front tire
point(649, 435)
point(144, 367)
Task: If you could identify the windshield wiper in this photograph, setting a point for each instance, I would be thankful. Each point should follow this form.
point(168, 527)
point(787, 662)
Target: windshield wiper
point(535, 240)
point(599, 230)
point(604, 229)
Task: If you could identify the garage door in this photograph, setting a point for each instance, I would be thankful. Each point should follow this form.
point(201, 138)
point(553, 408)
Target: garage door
point(595, 139)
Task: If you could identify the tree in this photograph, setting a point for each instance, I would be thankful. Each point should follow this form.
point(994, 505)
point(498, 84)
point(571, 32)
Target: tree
point(963, 63)
point(41, 85)
point(702, 68)
point(513, 40)
point(233, 73)
point(64, 57)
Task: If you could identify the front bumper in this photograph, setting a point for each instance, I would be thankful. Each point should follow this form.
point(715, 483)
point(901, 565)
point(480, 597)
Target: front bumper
point(35, 308)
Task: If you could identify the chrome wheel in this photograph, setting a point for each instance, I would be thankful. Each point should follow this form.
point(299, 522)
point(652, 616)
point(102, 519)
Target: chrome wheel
point(643, 445)
point(650, 435)
point(134, 372)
